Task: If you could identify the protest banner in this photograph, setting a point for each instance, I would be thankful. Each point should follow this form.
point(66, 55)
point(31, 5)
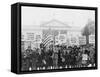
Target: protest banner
point(92, 39)
point(62, 38)
point(29, 36)
point(82, 40)
point(74, 41)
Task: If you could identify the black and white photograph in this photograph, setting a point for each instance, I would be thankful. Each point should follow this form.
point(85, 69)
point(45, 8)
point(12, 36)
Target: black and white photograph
point(57, 38)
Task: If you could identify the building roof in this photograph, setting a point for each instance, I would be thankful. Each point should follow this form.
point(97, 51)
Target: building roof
point(55, 23)
point(52, 24)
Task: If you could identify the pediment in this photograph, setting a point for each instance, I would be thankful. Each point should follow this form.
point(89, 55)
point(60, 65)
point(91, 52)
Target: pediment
point(55, 23)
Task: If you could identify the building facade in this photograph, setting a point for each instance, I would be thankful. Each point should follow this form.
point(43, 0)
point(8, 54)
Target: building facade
point(53, 32)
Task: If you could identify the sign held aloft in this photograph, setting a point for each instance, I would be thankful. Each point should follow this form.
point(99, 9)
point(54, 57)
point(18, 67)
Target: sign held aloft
point(92, 39)
point(82, 40)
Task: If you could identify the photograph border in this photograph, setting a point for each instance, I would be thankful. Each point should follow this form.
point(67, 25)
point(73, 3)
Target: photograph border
point(18, 8)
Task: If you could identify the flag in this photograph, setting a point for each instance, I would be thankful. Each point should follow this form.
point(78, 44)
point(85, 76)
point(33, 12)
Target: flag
point(47, 37)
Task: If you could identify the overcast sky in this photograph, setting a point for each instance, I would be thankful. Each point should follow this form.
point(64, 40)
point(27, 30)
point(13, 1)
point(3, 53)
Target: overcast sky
point(32, 16)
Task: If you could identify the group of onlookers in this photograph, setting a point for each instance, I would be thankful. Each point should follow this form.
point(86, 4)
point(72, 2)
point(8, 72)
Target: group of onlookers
point(56, 57)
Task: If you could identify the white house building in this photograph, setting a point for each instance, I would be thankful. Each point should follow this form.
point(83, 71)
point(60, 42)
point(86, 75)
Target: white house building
point(53, 31)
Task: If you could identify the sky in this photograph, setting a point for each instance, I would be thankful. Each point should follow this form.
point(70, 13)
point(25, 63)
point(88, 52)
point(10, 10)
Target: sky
point(35, 16)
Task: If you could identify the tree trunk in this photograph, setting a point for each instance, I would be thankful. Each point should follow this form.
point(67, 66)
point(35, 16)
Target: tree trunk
point(87, 39)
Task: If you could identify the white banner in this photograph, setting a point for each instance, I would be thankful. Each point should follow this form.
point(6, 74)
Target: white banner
point(74, 41)
point(62, 38)
point(92, 39)
point(30, 36)
point(82, 40)
point(38, 39)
